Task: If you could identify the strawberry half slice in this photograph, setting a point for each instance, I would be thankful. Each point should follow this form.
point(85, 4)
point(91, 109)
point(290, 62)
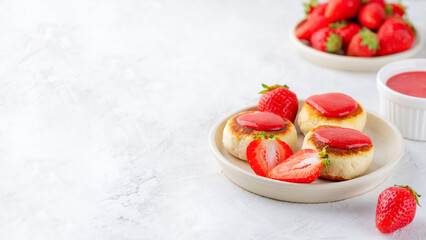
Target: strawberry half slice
point(302, 167)
point(265, 152)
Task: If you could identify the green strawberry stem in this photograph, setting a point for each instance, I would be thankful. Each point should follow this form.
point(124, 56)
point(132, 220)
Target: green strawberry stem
point(270, 88)
point(324, 156)
point(263, 135)
point(416, 195)
point(260, 135)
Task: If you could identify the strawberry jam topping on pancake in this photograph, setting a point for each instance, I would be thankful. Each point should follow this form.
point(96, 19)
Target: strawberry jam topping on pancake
point(261, 121)
point(345, 138)
point(333, 104)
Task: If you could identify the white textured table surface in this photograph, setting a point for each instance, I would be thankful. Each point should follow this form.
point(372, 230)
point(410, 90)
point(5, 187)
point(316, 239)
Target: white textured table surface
point(106, 107)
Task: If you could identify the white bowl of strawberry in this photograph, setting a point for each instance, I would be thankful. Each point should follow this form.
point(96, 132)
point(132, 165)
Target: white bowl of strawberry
point(356, 35)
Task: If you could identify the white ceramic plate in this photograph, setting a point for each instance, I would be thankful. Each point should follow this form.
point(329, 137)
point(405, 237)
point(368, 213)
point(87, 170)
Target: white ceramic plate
point(347, 63)
point(388, 150)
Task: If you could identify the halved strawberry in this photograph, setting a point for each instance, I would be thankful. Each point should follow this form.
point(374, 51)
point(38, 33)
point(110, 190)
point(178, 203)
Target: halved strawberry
point(302, 167)
point(265, 152)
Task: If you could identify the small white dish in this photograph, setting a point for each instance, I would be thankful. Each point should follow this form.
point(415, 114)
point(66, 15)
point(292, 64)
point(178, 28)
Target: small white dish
point(388, 150)
point(356, 64)
point(406, 112)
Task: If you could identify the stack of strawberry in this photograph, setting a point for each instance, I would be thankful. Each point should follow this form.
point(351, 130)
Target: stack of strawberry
point(361, 28)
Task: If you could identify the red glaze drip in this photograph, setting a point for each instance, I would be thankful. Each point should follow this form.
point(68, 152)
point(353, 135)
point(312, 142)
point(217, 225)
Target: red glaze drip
point(409, 83)
point(333, 104)
point(345, 138)
point(261, 121)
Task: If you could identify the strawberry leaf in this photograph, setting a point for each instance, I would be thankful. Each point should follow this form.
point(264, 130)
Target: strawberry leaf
point(369, 39)
point(270, 88)
point(415, 194)
point(323, 152)
point(334, 43)
point(338, 24)
point(389, 9)
point(309, 6)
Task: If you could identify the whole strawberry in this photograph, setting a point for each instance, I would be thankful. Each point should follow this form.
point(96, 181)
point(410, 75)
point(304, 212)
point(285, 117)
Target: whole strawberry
point(346, 31)
point(395, 35)
point(265, 152)
point(341, 9)
point(326, 40)
point(315, 20)
point(364, 44)
point(396, 208)
point(395, 9)
point(280, 100)
point(371, 15)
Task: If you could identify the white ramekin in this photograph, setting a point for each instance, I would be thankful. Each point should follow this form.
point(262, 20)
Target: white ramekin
point(406, 112)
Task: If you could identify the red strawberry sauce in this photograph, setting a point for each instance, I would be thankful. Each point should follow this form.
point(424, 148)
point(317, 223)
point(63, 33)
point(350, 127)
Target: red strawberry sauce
point(333, 104)
point(409, 83)
point(345, 138)
point(261, 121)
